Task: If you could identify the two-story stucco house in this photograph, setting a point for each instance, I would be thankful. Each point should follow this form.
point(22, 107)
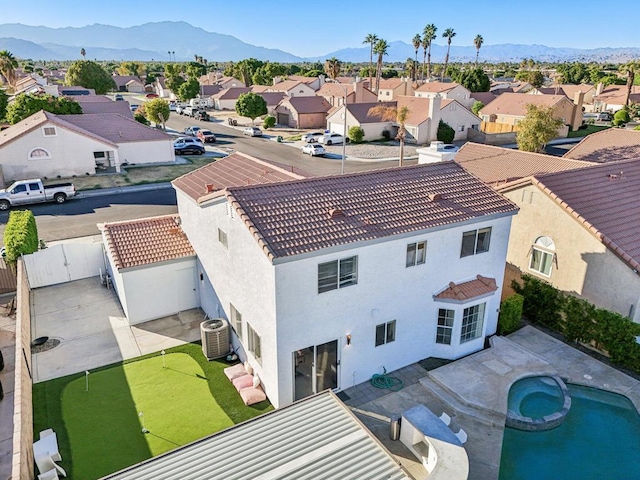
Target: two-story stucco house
point(328, 280)
point(449, 90)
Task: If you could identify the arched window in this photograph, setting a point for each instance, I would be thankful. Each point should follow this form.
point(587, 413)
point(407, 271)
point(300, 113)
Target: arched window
point(38, 153)
point(543, 254)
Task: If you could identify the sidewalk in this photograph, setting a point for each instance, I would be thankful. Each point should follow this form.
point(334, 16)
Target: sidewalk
point(7, 345)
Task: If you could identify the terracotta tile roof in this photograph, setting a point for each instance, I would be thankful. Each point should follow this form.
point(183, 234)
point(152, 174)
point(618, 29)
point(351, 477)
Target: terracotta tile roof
point(234, 170)
point(115, 128)
point(301, 216)
point(361, 111)
point(209, 90)
point(392, 83)
point(610, 145)
point(259, 88)
point(468, 290)
point(617, 95)
point(133, 243)
point(272, 98)
point(604, 199)
point(497, 166)
point(515, 103)
point(231, 93)
point(122, 80)
point(99, 104)
point(308, 104)
point(437, 87)
point(335, 90)
point(568, 90)
point(301, 78)
point(286, 85)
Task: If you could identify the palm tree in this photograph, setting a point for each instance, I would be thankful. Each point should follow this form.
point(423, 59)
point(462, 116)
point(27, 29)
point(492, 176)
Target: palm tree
point(393, 114)
point(83, 53)
point(371, 39)
point(8, 64)
point(169, 52)
point(630, 68)
point(381, 48)
point(174, 55)
point(411, 66)
point(448, 34)
point(478, 41)
point(332, 67)
point(417, 41)
point(429, 36)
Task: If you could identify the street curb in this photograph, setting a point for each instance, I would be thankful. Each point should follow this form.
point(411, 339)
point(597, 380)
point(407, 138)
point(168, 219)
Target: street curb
point(119, 190)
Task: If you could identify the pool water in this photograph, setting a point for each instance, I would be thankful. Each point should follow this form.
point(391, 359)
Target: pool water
point(535, 397)
point(600, 439)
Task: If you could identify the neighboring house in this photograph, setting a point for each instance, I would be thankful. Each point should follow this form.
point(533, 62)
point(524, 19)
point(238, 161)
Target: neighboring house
point(209, 90)
point(506, 111)
point(292, 88)
point(358, 116)
point(448, 90)
point(610, 145)
point(213, 78)
point(568, 90)
point(273, 99)
point(312, 82)
point(226, 99)
point(72, 91)
point(128, 83)
point(390, 88)
point(302, 112)
point(154, 256)
point(48, 146)
point(102, 104)
point(356, 93)
point(483, 97)
point(614, 97)
point(160, 88)
point(327, 280)
point(499, 87)
point(32, 83)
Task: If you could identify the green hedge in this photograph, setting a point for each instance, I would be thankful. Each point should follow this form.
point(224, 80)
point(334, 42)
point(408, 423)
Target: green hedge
point(20, 235)
point(510, 314)
point(580, 321)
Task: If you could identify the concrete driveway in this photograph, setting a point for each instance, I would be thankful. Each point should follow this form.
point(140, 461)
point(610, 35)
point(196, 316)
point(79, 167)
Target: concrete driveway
point(93, 330)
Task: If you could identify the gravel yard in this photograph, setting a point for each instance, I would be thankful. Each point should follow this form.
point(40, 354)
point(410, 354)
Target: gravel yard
point(389, 149)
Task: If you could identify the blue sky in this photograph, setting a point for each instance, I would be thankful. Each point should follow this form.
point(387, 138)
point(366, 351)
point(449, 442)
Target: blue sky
point(309, 28)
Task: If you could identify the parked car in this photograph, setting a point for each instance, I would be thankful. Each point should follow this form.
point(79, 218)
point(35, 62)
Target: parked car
point(189, 111)
point(180, 109)
point(207, 136)
point(118, 96)
point(134, 107)
point(23, 192)
point(201, 115)
point(188, 146)
point(313, 149)
point(331, 138)
point(193, 130)
point(252, 132)
point(312, 137)
point(172, 106)
point(151, 95)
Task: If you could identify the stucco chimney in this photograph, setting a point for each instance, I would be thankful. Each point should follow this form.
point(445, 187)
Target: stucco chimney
point(277, 79)
point(578, 100)
point(358, 87)
point(599, 88)
point(434, 116)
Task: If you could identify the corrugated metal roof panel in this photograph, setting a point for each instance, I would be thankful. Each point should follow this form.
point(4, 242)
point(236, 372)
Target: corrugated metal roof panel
point(315, 439)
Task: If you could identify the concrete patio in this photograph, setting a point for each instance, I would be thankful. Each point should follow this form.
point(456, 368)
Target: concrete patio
point(93, 331)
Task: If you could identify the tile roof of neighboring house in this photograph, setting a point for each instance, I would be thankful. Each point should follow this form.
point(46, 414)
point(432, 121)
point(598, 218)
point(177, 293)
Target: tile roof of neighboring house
point(519, 87)
point(610, 145)
point(497, 166)
point(260, 88)
point(437, 87)
point(231, 93)
point(301, 216)
point(286, 85)
point(604, 199)
point(122, 80)
point(73, 91)
point(303, 79)
point(617, 95)
point(392, 83)
point(272, 98)
point(419, 107)
point(41, 118)
point(484, 97)
point(335, 90)
point(468, 290)
point(232, 171)
point(361, 111)
point(115, 127)
point(133, 243)
point(309, 104)
point(567, 90)
point(161, 81)
point(208, 90)
point(100, 104)
point(515, 103)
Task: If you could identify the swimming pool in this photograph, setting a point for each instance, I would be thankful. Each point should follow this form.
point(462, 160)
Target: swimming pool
point(599, 439)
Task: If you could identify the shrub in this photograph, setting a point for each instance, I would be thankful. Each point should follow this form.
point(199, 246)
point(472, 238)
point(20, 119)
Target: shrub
point(356, 134)
point(542, 302)
point(138, 117)
point(20, 235)
point(510, 314)
point(269, 122)
point(445, 133)
point(386, 134)
point(621, 117)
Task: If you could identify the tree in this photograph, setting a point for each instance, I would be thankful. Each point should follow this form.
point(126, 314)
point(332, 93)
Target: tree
point(139, 117)
point(157, 111)
point(397, 115)
point(26, 105)
point(445, 133)
point(417, 41)
point(251, 105)
point(381, 48)
point(621, 117)
point(131, 68)
point(269, 122)
point(474, 79)
point(448, 34)
point(429, 36)
point(411, 67)
point(4, 101)
point(356, 134)
point(371, 39)
point(630, 68)
point(8, 64)
point(476, 107)
point(89, 74)
point(20, 235)
point(535, 78)
point(332, 67)
point(83, 53)
point(478, 41)
point(537, 128)
point(188, 89)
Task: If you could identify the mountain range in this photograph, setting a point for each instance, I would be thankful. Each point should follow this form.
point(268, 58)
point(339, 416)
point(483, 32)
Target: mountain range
point(154, 41)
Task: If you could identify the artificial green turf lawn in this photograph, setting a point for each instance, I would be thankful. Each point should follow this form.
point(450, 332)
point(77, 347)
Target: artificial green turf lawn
point(100, 431)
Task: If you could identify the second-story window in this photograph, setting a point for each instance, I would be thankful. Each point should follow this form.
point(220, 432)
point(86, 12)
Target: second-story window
point(222, 238)
point(337, 274)
point(475, 241)
point(416, 254)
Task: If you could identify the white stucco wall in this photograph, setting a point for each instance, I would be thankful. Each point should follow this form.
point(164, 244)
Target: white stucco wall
point(147, 152)
point(71, 154)
point(460, 119)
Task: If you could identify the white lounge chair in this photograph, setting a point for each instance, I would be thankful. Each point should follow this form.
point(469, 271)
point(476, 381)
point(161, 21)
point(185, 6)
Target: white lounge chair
point(46, 433)
point(45, 464)
point(50, 475)
point(462, 436)
point(446, 419)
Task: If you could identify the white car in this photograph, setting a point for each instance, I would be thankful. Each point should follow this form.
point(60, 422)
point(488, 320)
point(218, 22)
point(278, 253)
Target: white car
point(313, 149)
point(252, 132)
point(312, 137)
point(331, 139)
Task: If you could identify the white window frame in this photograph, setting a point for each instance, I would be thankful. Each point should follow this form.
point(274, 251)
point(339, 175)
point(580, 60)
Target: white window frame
point(53, 131)
point(254, 343)
point(478, 247)
point(236, 320)
point(388, 333)
point(416, 254)
point(444, 331)
point(472, 322)
point(338, 277)
point(545, 248)
point(222, 238)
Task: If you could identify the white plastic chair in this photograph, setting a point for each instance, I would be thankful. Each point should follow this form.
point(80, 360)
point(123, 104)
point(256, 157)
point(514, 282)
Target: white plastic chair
point(46, 433)
point(446, 419)
point(50, 475)
point(462, 436)
point(45, 464)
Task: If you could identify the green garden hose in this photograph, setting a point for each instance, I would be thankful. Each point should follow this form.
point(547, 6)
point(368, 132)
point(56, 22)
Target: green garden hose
point(386, 381)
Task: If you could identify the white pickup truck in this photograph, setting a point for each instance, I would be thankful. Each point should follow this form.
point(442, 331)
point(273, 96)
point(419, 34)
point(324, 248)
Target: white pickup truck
point(23, 192)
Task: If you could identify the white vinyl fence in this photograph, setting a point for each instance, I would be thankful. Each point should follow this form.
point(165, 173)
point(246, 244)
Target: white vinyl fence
point(63, 263)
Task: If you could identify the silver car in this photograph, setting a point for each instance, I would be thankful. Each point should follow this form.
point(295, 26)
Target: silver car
point(313, 149)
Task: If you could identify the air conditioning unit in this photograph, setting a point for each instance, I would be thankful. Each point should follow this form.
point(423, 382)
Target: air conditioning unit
point(215, 335)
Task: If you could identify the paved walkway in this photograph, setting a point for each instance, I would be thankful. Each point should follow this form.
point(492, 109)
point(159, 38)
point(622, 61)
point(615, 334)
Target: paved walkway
point(7, 346)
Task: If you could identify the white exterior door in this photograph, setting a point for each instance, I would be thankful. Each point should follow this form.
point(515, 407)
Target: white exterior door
point(186, 289)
